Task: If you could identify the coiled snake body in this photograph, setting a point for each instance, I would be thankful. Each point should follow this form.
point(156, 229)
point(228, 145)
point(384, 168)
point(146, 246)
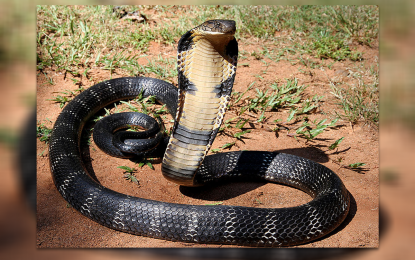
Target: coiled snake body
point(206, 65)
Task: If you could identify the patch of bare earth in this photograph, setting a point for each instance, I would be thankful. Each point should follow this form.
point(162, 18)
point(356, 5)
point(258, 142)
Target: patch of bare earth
point(59, 225)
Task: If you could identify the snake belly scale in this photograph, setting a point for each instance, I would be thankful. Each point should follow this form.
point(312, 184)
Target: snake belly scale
point(207, 57)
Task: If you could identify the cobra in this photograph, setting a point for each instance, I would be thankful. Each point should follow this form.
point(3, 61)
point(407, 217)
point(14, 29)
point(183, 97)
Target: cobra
point(207, 57)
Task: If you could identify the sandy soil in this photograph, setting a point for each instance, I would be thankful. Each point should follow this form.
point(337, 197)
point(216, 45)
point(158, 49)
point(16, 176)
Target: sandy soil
point(60, 226)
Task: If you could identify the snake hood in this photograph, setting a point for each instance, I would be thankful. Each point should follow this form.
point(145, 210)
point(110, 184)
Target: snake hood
point(206, 64)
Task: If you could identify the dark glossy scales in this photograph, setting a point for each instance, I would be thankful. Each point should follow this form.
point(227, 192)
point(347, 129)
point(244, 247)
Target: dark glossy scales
point(125, 144)
point(194, 223)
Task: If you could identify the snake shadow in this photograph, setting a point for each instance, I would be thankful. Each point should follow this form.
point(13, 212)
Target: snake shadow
point(231, 189)
point(311, 153)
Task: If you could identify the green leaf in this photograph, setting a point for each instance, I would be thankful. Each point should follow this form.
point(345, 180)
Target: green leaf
point(131, 178)
point(240, 124)
point(126, 168)
point(322, 122)
point(262, 117)
point(300, 129)
point(316, 132)
point(72, 30)
point(228, 145)
point(43, 133)
point(82, 26)
point(132, 108)
point(146, 162)
point(333, 123)
point(242, 94)
point(97, 58)
point(295, 101)
point(240, 134)
point(161, 110)
point(291, 116)
point(336, 143)
point(149, 164)
point(356, 165)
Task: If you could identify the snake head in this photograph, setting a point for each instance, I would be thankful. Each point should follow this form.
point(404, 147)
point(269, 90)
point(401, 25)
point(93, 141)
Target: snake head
point(218, 27)
point(220, 33)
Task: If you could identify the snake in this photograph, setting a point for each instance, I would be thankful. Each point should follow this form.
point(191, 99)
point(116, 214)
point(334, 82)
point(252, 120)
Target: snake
point(207, 61)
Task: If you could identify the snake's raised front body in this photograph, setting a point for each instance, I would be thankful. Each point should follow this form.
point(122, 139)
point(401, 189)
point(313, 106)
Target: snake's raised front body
point(207, 58)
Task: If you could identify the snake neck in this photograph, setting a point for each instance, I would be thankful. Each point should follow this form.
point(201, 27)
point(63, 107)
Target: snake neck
point(206, 74)
point(205, 67)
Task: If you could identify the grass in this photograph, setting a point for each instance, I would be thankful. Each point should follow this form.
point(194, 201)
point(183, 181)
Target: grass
point(331, 47)
point(147, 106)
point(68, 96)
point(311, 129)
point(129, 174)
point(357, 104)
point(43, 133)
point(357, 167)
point(286, 95)
point(74, 39)
point(360, 101)
point(72, 36)
point(336, 144)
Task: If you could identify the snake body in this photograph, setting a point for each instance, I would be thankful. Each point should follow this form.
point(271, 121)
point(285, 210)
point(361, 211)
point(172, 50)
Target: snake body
point(206, 65)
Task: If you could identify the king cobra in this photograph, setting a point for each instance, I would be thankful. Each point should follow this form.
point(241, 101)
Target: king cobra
point(207, 59)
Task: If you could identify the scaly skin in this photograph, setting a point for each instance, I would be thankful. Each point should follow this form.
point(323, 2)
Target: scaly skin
point(195, 223)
